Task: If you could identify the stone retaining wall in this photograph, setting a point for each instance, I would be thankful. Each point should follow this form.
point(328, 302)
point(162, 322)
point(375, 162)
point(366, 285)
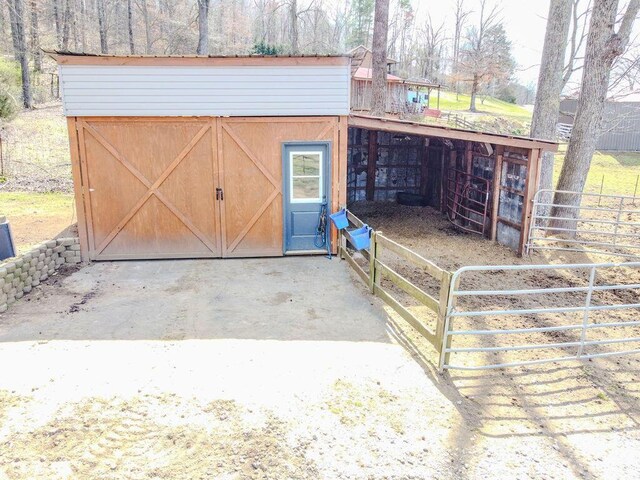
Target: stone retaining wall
point(20, 274)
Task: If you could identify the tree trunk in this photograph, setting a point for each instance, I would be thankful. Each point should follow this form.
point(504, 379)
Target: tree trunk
point(14, 30)
point(66, 25)
point(57, 16)
point(379, 59)
point(293, 13)
point(547, 104)
point(83, 25)
point(35, 38)
point(474, 93)
point(604, 45)
point(147, 27)
point(132, 47)
point(102, 27)
point(203, 27)
point(16, 9)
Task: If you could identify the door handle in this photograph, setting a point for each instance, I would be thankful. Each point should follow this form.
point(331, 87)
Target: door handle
point(219, 194)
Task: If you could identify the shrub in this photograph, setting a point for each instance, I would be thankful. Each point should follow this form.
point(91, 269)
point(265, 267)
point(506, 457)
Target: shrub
point(262, 48)
point(9, 88)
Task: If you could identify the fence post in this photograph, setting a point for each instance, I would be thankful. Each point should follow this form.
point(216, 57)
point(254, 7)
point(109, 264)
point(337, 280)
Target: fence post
point(445, 339)
point(585, 317)
point(635, 190)
point(445, 283)
point(615, 227)
point(601, 187)
point(373, 253)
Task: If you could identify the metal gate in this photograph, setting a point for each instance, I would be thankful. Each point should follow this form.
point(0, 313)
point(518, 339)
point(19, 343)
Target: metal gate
point(467, 201)
point(604, 224)
point(591, 316)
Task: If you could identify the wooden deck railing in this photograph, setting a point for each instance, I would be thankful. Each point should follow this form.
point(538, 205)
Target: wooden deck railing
point(379, 270)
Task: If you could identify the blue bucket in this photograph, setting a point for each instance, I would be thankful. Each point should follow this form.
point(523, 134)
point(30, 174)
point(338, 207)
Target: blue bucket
point(339, 219)
point(360, 238)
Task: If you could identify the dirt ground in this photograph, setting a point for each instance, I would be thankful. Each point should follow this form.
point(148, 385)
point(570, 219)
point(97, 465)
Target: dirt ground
point(589, 408)
point(238, 369)
point(202, 369)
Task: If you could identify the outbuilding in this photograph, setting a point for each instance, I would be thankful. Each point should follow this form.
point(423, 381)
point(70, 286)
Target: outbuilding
point(483, 182)
point(187, 157)
point(177, 157)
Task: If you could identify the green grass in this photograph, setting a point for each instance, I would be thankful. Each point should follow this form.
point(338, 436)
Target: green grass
point(620, 171)
point(36, 217)
point(493, 106)
point(36, 150)
point(25, 203)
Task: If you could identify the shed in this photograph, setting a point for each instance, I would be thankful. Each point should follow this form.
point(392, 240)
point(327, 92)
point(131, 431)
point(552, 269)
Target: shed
point(198, 156)
point(483, 182)
point(620, 130)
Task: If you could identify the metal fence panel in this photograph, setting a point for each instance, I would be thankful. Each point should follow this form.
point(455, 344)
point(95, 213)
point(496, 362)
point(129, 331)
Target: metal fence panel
point(583, 326)
point(604, 224)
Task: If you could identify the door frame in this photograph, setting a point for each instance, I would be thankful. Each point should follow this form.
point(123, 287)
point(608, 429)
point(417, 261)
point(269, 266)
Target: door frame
point(325, 145)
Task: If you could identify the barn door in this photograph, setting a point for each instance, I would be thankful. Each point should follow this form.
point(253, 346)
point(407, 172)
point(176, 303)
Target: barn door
point(149, 188)
point(251, 181)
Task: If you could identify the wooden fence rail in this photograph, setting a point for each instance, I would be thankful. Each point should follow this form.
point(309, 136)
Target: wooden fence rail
point(379, 270)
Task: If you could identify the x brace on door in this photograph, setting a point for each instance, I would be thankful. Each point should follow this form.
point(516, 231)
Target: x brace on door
point(152, 187)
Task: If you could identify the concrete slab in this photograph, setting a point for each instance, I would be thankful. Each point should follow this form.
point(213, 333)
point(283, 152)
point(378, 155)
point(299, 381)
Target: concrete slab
point(302, 298)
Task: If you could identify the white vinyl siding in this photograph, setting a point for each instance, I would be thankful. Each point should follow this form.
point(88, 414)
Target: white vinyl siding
point(101, 90)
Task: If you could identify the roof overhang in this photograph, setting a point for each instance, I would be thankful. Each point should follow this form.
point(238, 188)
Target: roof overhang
point(418, 83)
point(72, 58)
point(422, 129)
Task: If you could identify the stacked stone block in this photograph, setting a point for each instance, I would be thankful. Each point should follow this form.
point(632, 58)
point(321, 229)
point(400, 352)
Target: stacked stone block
point(20, 274)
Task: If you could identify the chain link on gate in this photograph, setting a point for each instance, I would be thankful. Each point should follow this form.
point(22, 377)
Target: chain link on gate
point(603, 224)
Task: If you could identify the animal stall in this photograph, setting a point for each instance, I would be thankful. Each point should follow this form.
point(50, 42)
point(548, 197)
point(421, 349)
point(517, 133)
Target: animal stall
point(483, 182)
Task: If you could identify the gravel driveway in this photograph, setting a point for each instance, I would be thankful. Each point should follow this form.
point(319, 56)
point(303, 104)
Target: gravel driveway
point(276, 368)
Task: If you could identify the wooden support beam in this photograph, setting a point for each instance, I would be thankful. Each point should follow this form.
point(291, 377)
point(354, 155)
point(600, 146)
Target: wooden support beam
point(497, 180)
point(372, 160)
point(468, 157)
point(529, 191)
point(423, 157)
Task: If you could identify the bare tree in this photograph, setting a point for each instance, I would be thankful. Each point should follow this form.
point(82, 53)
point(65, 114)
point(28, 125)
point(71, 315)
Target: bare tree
point(433, 45)
point(16, 11)
point(604, 45)
point(83, 25)
point(547, 105)
point(293, 15)
point(460, 21)
point(379, 59)
point(579, 21)
point(203, 27)
point(34, 35)
point(66, 24)
point(486, 55)
point(57, 17)
point(132, 47)
point(102, 26)
point(144, 10)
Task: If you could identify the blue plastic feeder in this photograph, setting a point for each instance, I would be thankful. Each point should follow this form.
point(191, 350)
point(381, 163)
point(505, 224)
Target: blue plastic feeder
point(339, 219)
point(360, 238)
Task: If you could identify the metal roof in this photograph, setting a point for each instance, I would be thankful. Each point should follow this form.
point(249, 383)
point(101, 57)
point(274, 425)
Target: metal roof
point(109, 55)
point(442, 131)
